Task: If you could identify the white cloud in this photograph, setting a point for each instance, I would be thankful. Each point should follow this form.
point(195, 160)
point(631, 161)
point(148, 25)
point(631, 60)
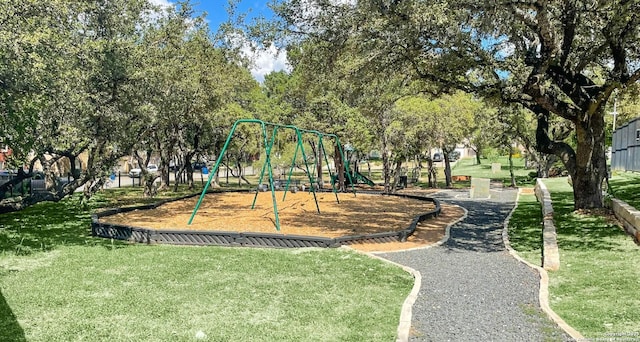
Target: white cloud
point(159, 11)
point(266, 60)
point(263, 60)
point(161, 3)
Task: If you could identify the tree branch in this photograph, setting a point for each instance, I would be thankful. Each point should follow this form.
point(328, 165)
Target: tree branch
point(545, 145)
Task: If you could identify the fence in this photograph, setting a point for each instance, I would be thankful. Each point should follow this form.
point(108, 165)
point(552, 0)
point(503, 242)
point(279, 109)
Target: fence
point(28, 185)
point(117, 180)
point(17, 189)
point(625, 153)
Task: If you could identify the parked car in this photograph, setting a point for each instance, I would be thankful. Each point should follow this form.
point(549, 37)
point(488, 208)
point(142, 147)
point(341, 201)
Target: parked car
point(199, 165)
point(152, 168)
point(437, 157)
point(454, 155)
point(135, 173)
point(173, 166)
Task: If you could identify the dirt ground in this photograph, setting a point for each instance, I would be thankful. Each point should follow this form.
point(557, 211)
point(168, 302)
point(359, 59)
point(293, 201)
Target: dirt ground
point(354, 215)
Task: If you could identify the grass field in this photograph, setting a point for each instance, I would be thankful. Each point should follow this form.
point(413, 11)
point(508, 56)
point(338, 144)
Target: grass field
point(463, 167)
point(468, 166)
point(624, 186)
point(595, 290)
point(525, 229)
point(59, 284)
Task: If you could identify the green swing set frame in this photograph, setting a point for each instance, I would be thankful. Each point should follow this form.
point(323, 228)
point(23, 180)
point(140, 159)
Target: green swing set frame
point(268, 145)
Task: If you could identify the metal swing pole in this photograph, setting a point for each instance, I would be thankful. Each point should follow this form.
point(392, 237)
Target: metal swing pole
point(326, 161)
point(267, 165)
point(306, 165)
point(293, 162)
point(273, 188)
point(215, 167)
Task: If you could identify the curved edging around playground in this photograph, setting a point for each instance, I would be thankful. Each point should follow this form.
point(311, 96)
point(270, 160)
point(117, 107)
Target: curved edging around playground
point(543, 294)
point(406, 313)
point(225, 238)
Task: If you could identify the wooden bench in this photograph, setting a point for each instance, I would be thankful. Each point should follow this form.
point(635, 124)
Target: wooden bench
point(460, 178)
point(38, 185)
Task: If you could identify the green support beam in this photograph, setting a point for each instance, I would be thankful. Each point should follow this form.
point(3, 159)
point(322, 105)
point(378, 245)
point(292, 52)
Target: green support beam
point(268, 143)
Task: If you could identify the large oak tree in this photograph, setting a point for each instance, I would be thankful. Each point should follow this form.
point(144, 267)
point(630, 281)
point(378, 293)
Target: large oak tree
point(65, 77)
point(561, 58)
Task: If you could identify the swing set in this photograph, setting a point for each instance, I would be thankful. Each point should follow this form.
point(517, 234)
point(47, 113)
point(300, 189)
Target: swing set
point(268, 143)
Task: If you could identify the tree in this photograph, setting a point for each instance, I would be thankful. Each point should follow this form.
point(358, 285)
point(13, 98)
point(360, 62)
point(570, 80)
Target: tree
point(192, 91)
point(176, 88)
point(78, 101)
point(443, 122)
point(554, 57)
point(485, 120)
point(315, 97)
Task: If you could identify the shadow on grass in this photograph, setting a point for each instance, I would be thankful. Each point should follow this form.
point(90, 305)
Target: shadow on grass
point(9, 327)
point(582, 232)
point(47, 225)
point(624, 186)
point(525, 225)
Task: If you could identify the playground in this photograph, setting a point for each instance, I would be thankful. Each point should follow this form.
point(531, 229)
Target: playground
point(355, 215)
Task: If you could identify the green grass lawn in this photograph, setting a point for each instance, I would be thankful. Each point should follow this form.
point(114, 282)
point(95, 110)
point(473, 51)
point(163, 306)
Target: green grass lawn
point(595, 290)
point(469, 167)
point(525, 229)
point(464, 167)
point(57, 283)
point(624, 186)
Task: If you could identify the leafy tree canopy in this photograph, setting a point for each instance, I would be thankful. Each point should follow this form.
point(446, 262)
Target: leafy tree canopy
point(554, 57)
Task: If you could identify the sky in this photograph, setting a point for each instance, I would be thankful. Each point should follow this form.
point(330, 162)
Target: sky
point(264, 61)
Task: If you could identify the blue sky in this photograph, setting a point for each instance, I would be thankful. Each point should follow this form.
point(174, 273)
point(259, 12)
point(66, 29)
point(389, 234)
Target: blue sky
point(216, 10)
point(263, 61)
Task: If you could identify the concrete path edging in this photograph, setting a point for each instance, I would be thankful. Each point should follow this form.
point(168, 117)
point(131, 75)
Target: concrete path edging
point(404, 326)
point(628, 216)
point(406, 313)
point(544, 281)
point(550, 252)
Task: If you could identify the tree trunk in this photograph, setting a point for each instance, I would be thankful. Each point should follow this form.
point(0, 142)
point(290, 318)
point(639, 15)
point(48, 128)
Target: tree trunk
point(513, 177)
point(545, 161)
point(447, 169)
point(432, 174)
point(386, 172)
point(164, 177)
point(586, 165)
point(396, 175)
point(340, 169)
point(386, 166)
point(590, 166)
point(189, 173)
point(150, 189)
point(163, 169)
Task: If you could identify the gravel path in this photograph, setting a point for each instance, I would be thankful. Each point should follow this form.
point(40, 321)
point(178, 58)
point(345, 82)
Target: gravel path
point(472, 288)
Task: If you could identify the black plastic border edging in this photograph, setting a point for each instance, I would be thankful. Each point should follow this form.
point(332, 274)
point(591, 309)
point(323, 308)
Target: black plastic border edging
point(223, 238)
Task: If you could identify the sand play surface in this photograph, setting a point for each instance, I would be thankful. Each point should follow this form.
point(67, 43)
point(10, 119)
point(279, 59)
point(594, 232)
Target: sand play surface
point(354, 215)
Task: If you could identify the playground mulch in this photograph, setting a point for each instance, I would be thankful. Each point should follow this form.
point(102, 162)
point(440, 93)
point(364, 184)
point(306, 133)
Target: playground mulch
point(354, 215)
